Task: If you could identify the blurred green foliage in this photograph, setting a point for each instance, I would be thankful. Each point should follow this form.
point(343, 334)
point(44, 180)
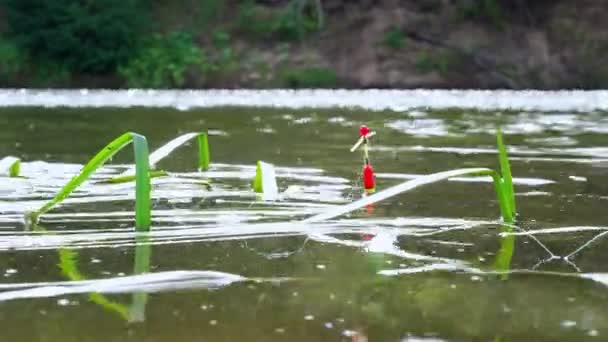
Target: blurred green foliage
point(292, 22)
point(394, 38)
point(489, 10)
point(64, 42)
point(443, 63)
point(85, 36)
point(12, 60)
point(49, 74)
point(223, 56)
point(163, 61)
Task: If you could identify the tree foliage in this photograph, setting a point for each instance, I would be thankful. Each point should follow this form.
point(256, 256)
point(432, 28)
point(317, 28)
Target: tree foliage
point(163, 61)
point(87, 36)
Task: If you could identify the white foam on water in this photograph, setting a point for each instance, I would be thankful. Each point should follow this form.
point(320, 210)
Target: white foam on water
point(150, 282)
point(372, 99)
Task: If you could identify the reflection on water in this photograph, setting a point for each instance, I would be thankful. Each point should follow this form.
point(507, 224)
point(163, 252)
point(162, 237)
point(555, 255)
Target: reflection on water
point(434, 263)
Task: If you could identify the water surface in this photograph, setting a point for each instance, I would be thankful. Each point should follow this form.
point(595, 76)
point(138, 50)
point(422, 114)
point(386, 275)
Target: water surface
point(222, 265)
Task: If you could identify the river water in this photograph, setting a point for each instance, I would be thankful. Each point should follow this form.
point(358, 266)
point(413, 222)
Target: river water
point(222, 264)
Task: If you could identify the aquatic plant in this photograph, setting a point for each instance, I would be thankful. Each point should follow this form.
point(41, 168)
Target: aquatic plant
point(142, 178)
point(265, 181)
point(505, 169)
point(10, 166)
point(502, 262)
point(140, 172)
point(159, 154)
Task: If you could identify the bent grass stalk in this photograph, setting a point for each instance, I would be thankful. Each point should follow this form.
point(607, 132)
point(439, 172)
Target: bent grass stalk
point(165, 150)
point(142, 178)
point(140, 173)
point(265, 181)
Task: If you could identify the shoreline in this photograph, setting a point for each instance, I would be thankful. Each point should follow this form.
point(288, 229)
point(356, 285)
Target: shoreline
point(370, 99)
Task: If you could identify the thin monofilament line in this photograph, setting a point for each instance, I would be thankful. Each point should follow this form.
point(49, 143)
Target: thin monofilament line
point(585, 245)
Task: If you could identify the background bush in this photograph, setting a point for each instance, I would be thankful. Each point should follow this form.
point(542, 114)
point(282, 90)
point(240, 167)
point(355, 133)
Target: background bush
point(163, 61)
point(12, 61)
point(84, 36)
point(291, 22)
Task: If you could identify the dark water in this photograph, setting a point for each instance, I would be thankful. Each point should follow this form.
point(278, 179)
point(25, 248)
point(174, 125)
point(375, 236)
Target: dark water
point(221, 265)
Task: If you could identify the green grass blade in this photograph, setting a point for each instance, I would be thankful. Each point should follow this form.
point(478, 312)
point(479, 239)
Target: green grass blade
point(142, 183)
point(505, 171)
point(142, 179)
point(504, 256)
point(503, 198)
point(101, 157)
point(257, 180)
point(203, 152)
point(10, 166)
point(265, 181)
point(166, 150)
point(15, 169)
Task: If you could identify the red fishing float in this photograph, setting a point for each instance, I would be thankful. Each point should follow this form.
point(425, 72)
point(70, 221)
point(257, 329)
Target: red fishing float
point(369, 181)
point(367, 174)
point(364, 130)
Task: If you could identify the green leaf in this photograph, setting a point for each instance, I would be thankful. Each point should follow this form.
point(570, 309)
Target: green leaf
point(203, 152)
point(142, 183)
point(502, 263)
point(10, 166)
point(165, 150)
point(265, 181)
point(505, 170)
point(15, 169)
point(257, 180)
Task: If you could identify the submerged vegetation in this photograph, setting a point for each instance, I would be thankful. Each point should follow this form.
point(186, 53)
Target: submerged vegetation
point(264, 181)
point(141, 172)
point(142, 178)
